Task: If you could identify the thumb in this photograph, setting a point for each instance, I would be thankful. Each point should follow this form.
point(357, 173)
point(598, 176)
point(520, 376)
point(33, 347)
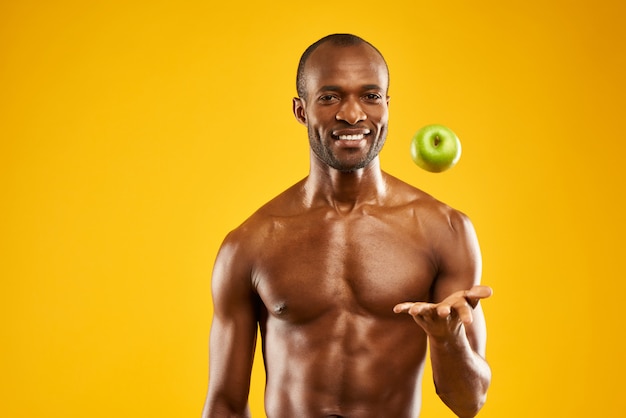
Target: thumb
point(476, 293)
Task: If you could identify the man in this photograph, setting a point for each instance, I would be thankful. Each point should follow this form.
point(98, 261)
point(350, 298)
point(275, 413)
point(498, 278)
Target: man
point(330, 268)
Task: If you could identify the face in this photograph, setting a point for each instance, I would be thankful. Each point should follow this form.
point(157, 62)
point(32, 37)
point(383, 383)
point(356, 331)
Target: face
point(346, 106)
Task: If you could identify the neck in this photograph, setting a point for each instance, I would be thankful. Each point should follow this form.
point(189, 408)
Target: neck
point(344, 191)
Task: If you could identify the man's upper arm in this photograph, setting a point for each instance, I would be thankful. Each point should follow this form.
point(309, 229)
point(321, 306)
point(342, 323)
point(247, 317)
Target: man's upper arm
point(233, 330)
point(460, 268)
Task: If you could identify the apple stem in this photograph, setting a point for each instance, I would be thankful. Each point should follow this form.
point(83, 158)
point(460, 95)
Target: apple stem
point(437, 140)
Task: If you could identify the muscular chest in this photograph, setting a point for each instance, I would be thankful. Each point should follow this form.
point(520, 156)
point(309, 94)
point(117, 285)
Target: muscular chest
point(362, 264)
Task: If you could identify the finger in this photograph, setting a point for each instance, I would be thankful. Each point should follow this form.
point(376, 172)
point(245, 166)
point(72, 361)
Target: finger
point(464, 310)
point(421, 309)
point(413, 308)
point(476, 293)
point(480, 292)
point(444, 310)
point(403, 307)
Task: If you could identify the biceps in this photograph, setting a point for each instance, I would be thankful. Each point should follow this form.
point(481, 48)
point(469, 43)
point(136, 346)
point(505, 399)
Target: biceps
point(232, 345)
point(460, 262)
point(233, 330)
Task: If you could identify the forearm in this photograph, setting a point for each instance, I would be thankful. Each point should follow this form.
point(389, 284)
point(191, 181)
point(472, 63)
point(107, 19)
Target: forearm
point(461, 376)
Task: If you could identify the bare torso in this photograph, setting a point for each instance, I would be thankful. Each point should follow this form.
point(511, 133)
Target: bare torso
point(338, 272)
point(327, 283)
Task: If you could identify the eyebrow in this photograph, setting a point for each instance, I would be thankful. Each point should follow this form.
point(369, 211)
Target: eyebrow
point(337, 88)
point(372, 87)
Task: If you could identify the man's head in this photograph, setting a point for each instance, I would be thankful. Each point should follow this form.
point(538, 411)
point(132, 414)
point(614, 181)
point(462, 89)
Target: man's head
point(343, 83)
point(337, 39)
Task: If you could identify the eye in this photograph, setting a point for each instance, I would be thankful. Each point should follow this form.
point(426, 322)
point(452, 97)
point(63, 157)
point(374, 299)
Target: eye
point(373, 97)
point(328, 99)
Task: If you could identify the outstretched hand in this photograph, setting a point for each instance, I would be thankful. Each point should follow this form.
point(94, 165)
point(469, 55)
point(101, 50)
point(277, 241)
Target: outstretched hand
point(439, 319)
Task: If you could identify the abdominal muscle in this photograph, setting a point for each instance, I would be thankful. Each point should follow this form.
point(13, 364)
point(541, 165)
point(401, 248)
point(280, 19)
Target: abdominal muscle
point(343, 364)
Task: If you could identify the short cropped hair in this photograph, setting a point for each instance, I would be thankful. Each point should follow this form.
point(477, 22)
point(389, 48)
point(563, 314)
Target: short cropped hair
point(337, 39)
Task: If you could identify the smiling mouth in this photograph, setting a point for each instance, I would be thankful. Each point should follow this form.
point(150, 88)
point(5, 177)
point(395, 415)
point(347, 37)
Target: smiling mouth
point(351, 136)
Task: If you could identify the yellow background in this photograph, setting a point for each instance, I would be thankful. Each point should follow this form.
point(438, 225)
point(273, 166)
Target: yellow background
point(135, 135)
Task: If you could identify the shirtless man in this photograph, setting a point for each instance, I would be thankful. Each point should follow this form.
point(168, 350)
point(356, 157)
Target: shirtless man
point(349, 273)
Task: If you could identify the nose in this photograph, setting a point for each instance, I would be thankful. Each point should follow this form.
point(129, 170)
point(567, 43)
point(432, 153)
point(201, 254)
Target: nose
point(351, 111)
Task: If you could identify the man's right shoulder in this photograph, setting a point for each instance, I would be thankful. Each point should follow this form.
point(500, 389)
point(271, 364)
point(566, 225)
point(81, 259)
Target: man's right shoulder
point(241, 246)
point(260, 225)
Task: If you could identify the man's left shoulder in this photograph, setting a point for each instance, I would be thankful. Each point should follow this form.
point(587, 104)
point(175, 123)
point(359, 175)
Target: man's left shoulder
point(427, 207)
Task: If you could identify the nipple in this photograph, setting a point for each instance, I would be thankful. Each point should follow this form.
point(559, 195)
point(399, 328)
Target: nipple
point(280, 308)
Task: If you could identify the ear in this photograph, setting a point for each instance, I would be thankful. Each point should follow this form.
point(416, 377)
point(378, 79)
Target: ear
point(298, 110)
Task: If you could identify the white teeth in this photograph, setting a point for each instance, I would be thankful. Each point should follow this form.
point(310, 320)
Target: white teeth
point(351, 137)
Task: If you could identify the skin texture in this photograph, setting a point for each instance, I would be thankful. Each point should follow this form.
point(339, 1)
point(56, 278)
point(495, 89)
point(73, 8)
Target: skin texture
point(348, 274)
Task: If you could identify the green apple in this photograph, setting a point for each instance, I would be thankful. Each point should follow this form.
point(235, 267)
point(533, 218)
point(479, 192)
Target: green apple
point(435, 148)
